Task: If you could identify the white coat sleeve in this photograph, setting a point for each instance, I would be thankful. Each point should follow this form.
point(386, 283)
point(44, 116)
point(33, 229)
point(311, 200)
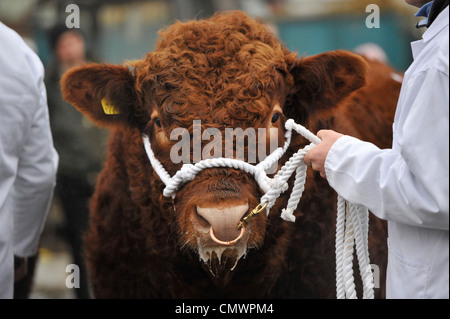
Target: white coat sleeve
point(409, 183)
point(28, 160)
point(35, 180)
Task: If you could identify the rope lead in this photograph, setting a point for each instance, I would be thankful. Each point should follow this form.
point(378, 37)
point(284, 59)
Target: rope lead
point(352, 225)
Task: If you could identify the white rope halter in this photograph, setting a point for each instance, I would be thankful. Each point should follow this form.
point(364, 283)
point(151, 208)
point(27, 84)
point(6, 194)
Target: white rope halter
point(352, 220)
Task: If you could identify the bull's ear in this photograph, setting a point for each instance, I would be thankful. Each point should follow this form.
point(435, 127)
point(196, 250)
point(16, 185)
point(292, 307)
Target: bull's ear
point(103, 92)
point(321, 81)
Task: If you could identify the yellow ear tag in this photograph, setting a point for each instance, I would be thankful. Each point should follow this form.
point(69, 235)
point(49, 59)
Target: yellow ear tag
point(109, 108)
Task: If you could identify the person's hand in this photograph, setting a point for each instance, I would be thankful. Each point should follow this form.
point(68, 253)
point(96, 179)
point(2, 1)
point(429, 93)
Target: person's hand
point(317, 155)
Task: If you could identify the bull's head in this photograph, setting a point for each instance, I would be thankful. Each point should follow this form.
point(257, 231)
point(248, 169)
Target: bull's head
point(228, 71)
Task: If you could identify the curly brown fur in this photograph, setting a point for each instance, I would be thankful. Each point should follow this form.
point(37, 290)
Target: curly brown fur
point(227, 71)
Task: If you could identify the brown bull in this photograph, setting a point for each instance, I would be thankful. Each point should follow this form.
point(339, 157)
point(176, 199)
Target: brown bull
point(229, 72)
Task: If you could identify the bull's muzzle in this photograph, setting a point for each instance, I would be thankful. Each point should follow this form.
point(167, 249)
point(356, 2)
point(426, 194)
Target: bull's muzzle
point(223, 221)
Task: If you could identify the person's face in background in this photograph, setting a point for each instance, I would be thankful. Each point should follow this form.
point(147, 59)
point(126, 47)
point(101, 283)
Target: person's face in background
point(70, 49)
point(417, 3)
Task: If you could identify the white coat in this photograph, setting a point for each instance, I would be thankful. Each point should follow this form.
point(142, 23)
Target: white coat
point(408, 185)
point(28, 161)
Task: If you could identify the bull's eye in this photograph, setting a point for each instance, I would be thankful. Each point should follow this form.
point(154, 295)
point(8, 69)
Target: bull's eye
point(275, 117)
point(157, 122)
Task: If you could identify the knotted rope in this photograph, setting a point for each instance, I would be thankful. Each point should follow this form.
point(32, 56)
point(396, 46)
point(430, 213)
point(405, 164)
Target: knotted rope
point(352, 224)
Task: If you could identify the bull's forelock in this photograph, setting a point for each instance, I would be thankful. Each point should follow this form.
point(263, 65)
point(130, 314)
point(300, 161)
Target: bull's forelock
point(229, 65)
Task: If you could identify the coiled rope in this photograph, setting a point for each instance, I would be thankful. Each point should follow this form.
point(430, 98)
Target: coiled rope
point(352, 225)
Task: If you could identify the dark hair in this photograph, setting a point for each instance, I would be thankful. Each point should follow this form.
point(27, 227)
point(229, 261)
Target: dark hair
point(57, 31)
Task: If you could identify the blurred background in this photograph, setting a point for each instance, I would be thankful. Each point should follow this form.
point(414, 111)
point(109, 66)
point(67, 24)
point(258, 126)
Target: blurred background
point(115, 31)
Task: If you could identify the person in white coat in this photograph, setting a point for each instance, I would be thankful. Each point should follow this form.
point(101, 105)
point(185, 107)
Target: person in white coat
point(407, 185)
point(28, 160)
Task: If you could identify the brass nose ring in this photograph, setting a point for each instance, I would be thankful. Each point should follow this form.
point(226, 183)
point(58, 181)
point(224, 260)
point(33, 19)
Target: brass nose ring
point(225, 243)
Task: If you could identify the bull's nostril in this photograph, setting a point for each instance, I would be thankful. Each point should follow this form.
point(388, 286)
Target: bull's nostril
point(202, 221)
